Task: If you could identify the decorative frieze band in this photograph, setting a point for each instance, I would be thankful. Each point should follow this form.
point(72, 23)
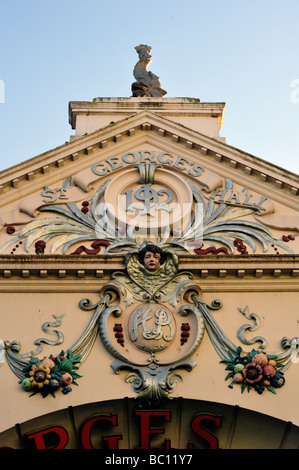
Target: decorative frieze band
point(223, 267)
point(175, 137)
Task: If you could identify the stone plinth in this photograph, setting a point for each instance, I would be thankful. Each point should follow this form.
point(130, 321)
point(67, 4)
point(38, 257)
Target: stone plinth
point(86, 117)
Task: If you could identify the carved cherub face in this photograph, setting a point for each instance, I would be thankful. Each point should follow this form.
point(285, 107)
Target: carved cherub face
point(152, 261)
point(152, 257)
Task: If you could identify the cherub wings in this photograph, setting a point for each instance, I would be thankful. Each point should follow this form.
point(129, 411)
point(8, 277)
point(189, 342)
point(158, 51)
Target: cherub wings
point(148, 280)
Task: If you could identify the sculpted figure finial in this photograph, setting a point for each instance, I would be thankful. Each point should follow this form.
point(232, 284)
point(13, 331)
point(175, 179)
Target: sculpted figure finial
point(147, 84)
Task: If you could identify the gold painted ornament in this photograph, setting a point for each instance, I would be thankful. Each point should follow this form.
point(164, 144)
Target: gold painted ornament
point(40, 376)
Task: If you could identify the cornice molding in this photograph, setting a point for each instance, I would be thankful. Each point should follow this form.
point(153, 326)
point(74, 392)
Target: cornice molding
point(238, 162)
point(252, 267)
point(132, 105)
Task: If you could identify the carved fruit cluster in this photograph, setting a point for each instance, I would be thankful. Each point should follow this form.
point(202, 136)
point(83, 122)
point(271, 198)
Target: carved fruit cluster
point(287, 238)
point(51, 374)
point(10, 229)
point(185, 328)
point(255, 369)
point(85, 208)
point(238, 243)
point(40, 246)
point(118, 333)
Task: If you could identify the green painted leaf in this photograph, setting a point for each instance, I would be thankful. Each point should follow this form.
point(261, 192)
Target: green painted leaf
point(231, 374)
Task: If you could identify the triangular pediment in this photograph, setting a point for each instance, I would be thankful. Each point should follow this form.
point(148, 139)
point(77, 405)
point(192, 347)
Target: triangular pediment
point(244, 198)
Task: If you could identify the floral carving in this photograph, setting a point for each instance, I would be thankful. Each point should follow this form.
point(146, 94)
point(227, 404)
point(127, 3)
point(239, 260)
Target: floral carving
point(254, 370)
point(217, 224)
point(51, 374)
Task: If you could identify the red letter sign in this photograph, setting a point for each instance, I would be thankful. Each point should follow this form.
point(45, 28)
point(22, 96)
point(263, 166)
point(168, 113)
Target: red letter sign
point(145, 428)
point(39, 437)
point(86, 430)
point(200, 431)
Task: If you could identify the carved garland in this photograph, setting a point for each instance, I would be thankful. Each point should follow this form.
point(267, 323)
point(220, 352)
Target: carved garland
point(153, 378)
point(161, 318)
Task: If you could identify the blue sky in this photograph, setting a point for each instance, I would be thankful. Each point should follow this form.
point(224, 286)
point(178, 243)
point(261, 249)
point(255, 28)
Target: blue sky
point(242, 53)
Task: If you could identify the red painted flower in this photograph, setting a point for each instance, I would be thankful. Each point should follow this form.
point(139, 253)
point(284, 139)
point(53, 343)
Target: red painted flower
point(253, 373)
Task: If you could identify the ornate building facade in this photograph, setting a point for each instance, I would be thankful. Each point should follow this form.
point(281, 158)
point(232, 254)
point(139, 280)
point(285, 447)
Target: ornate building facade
point(109, 342)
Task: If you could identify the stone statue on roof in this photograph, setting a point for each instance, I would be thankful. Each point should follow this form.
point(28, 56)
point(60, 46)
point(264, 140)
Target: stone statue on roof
point(147, 84)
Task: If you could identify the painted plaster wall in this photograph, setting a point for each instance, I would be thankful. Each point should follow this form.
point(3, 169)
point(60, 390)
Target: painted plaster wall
point(27, 309)
point(33, 289)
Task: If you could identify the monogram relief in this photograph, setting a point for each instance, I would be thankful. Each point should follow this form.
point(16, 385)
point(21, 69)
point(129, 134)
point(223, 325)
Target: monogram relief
point(151, 322)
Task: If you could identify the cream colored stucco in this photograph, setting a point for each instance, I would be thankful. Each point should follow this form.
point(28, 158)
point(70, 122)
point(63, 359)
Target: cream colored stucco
point(33, 288)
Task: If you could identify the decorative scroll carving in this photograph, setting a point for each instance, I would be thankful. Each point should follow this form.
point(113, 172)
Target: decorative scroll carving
point(153, 326)
point(210, 222)
point(254, 327)
point(254, 369)
point(155, 311)
point(151, 299)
